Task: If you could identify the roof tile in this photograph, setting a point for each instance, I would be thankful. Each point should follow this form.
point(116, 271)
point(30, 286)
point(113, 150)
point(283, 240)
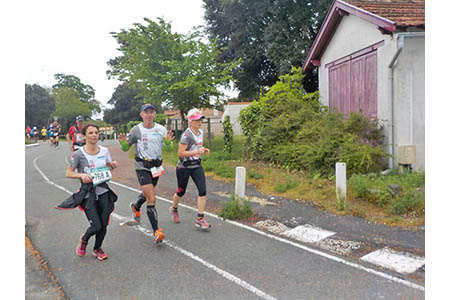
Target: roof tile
point(402, 12)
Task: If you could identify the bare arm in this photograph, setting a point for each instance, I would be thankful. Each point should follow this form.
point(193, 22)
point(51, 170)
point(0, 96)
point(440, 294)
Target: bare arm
point(70, 173)
point(183, 153)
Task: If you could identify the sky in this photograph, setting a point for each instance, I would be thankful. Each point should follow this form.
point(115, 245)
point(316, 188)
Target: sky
point(73, 37)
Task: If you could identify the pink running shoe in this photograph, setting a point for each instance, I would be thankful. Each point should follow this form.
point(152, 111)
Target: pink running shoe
point(81, 248)
point(201, 223)
point(100, 254)
point(175, 216)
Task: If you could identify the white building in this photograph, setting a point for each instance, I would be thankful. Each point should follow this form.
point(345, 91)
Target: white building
point(370, 56)
point(233, 110)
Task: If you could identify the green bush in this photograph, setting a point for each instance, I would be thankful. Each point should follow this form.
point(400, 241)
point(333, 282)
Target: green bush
point(227, 135)
point(359, 184)
point(410, 201)
point(234, 211)
point(293, 130)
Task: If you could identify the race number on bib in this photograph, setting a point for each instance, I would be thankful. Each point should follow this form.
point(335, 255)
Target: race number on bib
point(157, 171)
point(100, 175)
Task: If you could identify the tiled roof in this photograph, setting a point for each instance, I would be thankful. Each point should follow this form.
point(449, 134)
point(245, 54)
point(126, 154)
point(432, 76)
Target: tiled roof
point(402, 12)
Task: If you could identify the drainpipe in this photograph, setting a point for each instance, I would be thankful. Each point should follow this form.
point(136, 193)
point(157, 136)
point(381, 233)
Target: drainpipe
point(400, 45)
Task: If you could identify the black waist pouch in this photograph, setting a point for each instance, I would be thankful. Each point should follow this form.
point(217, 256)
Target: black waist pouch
point(148, 164)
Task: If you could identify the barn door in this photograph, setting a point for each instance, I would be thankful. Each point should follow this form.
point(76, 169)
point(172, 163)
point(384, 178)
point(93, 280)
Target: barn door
point(353, 85)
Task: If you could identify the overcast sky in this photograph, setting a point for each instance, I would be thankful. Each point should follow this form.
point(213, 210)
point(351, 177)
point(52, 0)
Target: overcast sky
point(73, 37)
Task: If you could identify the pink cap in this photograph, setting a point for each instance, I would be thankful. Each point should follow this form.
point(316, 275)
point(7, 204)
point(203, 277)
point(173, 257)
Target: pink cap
point(195, 117)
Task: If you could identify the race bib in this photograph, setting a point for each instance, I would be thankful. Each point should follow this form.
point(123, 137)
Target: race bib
point(100, 175)
point(157, 171)
point(79, 138)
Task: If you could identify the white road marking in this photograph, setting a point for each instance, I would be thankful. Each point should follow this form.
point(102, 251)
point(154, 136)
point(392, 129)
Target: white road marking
point(300, 246)
point(399, 261)
point(308, 233)
point(191, 255)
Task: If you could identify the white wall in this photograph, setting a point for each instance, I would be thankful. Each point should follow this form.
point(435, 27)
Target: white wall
point(233, 110)
point(409, 98)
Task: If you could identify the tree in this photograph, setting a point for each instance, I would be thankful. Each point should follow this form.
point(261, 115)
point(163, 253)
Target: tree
point(269, 37)
point(69, 106)
point(39, 106)
point(179, 71)
point(127, 104)
point(85, 92)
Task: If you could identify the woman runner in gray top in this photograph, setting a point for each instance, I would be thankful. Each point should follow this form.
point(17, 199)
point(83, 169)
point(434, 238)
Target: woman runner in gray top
point(190, 150)
point(92, 164)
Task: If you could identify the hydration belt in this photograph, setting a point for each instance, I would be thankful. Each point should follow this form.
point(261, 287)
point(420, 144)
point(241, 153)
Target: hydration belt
point(149, 163)
point(191, 162)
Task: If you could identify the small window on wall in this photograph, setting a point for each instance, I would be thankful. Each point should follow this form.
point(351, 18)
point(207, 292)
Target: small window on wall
point(352, 85)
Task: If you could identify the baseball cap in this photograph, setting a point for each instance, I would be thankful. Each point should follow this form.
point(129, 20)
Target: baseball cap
point(195, 117)
point(148, 105)
point(79, 118)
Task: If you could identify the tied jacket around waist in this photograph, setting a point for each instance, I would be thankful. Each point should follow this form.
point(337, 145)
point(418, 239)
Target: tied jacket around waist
point(85, 197)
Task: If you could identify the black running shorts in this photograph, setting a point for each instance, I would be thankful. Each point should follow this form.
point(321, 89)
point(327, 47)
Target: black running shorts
point(145, 177)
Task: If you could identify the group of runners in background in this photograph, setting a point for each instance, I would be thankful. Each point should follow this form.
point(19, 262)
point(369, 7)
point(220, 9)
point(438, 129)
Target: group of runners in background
point(92, 165)
point(52, 132)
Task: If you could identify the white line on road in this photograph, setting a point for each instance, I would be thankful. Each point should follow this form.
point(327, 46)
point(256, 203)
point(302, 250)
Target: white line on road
point(303, 247)
point(191, 255)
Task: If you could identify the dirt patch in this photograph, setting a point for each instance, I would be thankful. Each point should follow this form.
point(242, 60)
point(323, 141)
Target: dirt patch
point(52, 286)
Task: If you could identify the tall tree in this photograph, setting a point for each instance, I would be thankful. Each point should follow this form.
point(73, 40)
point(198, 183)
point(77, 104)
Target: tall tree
point(126, 102)
point(85, 92)
point(269, 36)
point(39, 106)
point(69, 106)
point(179, 71)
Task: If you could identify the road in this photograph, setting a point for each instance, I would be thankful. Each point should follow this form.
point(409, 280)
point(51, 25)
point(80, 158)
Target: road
point(230, 261)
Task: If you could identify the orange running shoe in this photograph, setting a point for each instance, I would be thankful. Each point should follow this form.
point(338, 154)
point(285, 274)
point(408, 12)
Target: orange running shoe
point(158, 236)
point(135, 213)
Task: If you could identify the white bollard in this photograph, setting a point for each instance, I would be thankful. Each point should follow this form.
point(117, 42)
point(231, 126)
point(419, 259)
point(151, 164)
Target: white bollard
point(341, 185)
point(239, 187)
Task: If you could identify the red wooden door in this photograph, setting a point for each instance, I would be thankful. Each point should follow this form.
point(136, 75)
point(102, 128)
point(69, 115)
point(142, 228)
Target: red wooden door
point(353, 85)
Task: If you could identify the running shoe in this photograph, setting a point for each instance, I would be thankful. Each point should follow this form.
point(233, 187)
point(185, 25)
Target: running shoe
point(100, 254)
point(81, 248)
point(135, 213)
point(175, 216)
point(158, 236)
point(201, 223)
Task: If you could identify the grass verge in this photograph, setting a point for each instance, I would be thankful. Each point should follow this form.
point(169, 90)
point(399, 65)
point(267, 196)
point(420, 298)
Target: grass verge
point(370, 198)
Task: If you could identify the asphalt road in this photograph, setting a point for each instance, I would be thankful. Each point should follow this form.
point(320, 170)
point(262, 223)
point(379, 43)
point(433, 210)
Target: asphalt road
point(226, 262)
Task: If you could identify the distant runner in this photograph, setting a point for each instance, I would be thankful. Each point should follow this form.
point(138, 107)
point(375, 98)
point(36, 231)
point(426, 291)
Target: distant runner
point(74, 136)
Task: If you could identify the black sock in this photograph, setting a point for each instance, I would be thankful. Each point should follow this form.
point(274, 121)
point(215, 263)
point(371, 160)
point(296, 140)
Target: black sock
point(152, 216)
point(199, 216)
point(141, 200)
point(174, 208)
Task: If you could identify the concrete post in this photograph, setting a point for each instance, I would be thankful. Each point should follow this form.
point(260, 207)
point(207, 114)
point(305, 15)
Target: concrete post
point(341, 185)
point(239, 188)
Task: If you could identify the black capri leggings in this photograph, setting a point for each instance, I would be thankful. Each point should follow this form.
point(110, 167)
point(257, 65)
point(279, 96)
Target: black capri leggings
point(98, 216)
point(197, 174)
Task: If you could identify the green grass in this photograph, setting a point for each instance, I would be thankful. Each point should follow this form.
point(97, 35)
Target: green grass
point(368, 195)
point(375, 188)
point(218, 162)
point(234, 210)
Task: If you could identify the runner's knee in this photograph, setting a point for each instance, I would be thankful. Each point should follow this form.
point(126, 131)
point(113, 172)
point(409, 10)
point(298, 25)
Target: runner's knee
point(180, 192)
